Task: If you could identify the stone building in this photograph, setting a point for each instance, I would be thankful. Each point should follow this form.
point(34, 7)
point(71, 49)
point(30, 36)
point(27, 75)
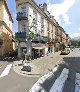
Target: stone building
point(36, 28)
point(6, 20)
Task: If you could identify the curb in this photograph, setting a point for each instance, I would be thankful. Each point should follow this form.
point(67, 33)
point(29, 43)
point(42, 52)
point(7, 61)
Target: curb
point(23, 73)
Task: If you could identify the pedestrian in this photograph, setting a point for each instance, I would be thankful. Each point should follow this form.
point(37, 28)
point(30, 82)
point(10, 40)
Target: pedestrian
point(23, 58)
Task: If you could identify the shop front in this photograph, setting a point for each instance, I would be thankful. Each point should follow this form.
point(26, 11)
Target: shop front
point(24, 48)
point(50, 48)
point(38, 50)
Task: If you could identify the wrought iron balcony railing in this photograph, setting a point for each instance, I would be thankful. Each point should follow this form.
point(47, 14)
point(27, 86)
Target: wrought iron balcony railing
point(21, 16)
point(22, 36)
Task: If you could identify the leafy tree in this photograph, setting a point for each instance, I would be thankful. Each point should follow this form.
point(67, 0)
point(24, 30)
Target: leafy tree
point(78, 43)
point(74, 42)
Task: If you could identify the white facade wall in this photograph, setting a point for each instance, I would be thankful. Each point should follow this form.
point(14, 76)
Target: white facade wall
point(30, 18)
point(54, 31)
point(45, 28)
point(6, 18)
point(39, 23)
point(50, 30)
point(23, 8)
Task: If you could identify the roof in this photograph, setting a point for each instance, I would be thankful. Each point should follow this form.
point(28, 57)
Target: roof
point(5, 4)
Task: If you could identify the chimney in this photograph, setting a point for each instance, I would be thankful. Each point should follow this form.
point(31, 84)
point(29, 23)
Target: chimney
point(52, 17)
point(45, 7)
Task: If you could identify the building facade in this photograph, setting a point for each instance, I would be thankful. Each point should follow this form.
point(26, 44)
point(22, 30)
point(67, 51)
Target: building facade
point(6, 44)
point(37, 23)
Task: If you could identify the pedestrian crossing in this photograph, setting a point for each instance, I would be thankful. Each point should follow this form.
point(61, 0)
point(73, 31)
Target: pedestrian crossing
point(52, 82)
point(4, 70)
point(61, 82)
point(77, 83)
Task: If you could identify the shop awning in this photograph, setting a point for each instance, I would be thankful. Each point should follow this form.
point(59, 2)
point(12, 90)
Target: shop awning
point(39, 47)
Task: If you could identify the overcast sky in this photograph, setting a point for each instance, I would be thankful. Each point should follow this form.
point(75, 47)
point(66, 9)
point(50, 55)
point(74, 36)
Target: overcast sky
point(66, 12)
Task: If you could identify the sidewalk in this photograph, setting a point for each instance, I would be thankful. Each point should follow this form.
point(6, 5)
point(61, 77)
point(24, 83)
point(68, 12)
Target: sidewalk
point(39, 66)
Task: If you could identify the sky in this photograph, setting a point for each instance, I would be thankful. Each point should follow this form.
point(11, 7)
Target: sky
point(66, 12)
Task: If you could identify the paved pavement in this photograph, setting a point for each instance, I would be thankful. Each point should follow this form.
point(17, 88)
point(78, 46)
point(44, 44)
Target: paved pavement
point(40, 66)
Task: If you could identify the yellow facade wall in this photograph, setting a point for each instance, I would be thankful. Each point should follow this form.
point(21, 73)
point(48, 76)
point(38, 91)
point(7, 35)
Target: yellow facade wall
point(7, 38)
point(1, 10)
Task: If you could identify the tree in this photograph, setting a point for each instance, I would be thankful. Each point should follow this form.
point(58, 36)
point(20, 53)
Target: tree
point(74, 42)
point(78, 43)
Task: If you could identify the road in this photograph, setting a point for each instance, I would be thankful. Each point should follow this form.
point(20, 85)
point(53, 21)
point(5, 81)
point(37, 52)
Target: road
point(12, 82)
point(72, 84)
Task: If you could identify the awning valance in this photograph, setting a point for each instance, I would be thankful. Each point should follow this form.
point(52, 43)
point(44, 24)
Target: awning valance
point(39, 47)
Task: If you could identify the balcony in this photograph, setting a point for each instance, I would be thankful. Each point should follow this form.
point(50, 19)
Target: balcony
point(36, 37)
point(20, 36)
point(44, 39)
point(21, 16)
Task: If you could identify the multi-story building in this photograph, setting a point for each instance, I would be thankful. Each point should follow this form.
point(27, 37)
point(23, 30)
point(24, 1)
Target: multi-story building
point(36, 28)
point(34, 18)
point(60, 37)
point(6, 44)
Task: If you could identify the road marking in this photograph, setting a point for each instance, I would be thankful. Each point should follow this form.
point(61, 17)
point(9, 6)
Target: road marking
point(37, 86)
point(6, 71)
point(60, 81)
point(77, 82)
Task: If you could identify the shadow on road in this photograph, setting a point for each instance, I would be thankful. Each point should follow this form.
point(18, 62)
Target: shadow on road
point(71, 63)
point(9, 59)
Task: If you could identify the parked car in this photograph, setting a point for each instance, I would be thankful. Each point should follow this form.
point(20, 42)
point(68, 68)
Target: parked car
point(66, 51)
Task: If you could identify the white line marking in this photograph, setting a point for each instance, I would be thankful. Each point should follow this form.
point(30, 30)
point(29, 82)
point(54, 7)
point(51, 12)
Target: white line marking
point(37, 86)
point(77, 82)
point(60, 81)
point(6, 71)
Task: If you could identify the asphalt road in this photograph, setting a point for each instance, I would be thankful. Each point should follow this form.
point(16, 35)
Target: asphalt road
point(17, 83)
point(71, 62)
point(14, 82)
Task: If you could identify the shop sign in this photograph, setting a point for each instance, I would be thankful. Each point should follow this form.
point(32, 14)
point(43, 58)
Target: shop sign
point(50, 45)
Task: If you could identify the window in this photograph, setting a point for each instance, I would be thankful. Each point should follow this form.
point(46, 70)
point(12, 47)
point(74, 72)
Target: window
point(24, 27)
point(42, 24)
point(35, 21)
point(23, 9)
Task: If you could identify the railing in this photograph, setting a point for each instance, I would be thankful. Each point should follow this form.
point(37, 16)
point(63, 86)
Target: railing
point(44, 39)
point(36, 37)
point(21, 16)
point(22, 36)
